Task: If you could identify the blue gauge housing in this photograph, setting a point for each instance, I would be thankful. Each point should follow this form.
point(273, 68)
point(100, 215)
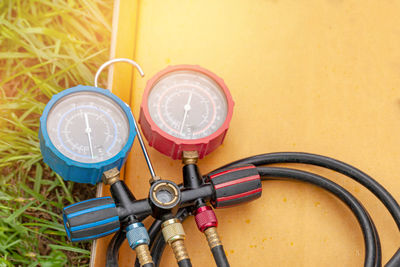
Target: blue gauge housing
point(77, 171)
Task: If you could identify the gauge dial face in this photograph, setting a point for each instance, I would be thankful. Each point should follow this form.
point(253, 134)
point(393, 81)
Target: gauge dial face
point(187, 104)
point(87, 127)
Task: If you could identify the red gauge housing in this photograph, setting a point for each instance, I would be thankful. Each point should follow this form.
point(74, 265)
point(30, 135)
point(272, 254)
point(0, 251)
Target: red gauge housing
point(173, 146)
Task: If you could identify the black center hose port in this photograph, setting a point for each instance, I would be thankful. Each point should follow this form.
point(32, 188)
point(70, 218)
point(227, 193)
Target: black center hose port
point(165, 197)
point(165, 194)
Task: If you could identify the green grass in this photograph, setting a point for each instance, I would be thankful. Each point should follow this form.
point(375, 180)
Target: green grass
point(45, 46)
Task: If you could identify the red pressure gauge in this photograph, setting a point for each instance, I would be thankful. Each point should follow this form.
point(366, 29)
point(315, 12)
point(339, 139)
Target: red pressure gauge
point(185, 108)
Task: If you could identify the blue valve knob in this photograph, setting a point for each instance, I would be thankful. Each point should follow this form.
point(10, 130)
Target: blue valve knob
point(136, 234)
point(91, 219)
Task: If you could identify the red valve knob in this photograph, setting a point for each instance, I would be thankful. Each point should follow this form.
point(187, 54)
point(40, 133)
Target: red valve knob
point(235, 185)
point(205, 218)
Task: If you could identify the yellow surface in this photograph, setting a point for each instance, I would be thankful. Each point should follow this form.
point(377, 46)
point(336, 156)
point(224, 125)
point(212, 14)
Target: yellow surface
point(313, 76)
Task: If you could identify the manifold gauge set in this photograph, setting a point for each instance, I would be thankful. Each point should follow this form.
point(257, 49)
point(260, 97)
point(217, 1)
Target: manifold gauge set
point(86, 134)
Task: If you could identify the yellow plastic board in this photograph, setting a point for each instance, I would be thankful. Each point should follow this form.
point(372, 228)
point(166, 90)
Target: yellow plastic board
point(312, 76)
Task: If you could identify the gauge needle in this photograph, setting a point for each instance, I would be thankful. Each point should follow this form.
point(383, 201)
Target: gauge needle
point(88, 131)
point(186, 107)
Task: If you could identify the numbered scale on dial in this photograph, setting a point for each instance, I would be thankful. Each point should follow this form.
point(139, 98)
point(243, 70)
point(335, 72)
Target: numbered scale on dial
point(185, 108)
point(85, 131)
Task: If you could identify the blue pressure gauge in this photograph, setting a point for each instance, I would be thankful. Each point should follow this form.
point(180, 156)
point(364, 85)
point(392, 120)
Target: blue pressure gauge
point(85, 131)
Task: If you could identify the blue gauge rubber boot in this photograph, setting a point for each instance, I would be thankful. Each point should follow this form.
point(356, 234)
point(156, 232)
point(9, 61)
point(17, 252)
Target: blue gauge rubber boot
point(91, 219)
point(68, 168)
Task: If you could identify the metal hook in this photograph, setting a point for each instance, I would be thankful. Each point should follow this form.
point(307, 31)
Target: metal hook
point(96, 77)
point(115, 60)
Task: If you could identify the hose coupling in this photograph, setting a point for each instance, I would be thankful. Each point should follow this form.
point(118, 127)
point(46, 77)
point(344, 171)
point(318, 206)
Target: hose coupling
point(174, 235)
point(139, 240)
point(212, 237)
point(143, 255)
point(205, 218)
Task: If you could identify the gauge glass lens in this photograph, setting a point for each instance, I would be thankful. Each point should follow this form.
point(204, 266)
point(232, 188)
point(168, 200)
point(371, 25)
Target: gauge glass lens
point(88, 127)
point(187, 105)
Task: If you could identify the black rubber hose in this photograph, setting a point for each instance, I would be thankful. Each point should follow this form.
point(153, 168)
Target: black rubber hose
point(220, 256)
point(378, 244)
point(185, 263)
point(306, 158)
point(394, 261)
point(153, 230)
point(364, 179)
point(113, 248)
point(157, 249)
point(362, 216)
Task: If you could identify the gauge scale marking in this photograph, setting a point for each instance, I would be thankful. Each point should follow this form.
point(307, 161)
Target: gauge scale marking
point(185, 108)
point(86, 128)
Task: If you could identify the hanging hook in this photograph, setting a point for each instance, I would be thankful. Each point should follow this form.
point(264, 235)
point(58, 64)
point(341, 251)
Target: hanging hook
point(115, 60)
point(96, 77)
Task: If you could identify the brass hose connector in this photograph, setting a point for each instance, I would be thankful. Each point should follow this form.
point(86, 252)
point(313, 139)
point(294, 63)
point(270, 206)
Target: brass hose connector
point(190, 157)
point(111, 176)
point(143, 254)
point(212, 237)
point(179, 249)
point(174, 235)
point(139, 240)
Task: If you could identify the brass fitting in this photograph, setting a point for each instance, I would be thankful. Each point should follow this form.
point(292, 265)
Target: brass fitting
point(163, 186)
point(172, 230)
point(190, 157)
point(154, 179)
point(174, 235)
point(111, 176)
point(179, 249)
point(212, 237)
point(143, 254)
